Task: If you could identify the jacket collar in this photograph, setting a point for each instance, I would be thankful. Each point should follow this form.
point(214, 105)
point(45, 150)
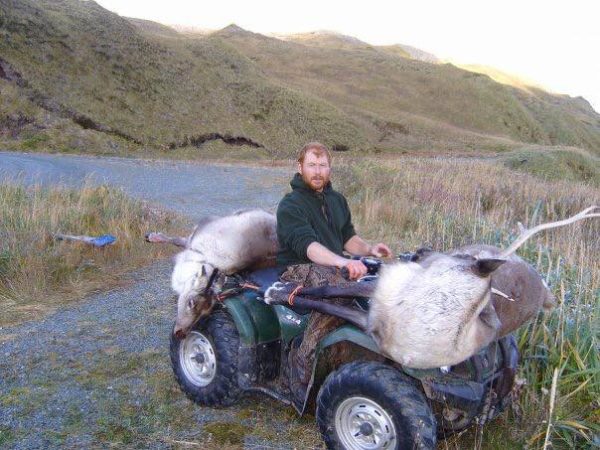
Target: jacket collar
point(298, 183)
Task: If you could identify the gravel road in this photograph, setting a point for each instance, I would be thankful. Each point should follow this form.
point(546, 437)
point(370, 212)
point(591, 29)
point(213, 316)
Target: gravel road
point(192, 189)
point(96, 374)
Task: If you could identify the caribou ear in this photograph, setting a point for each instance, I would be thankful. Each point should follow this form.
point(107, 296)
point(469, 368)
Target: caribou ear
point(485, 266)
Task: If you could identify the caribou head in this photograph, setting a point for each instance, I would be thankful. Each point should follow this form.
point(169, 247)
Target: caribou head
point(439, 298)
point(191, 279)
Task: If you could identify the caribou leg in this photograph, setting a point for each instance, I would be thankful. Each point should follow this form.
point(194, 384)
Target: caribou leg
point(159, 238)
point(351, 291)
point(352, 315)
point(279, 294)
point(354, 290)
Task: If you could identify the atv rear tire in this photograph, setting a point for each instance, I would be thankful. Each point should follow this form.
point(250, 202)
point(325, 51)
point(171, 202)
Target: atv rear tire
point(205, 362)
point(370, 405)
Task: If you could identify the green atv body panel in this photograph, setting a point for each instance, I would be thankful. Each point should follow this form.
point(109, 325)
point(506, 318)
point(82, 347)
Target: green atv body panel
point(347, 333)
point(259, 323)
point(264, 330)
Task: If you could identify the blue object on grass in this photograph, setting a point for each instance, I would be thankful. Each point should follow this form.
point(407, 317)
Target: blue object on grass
point(105, 239)
point(97, 241)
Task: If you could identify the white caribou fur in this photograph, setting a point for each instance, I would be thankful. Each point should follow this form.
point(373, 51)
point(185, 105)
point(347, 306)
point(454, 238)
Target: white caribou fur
point(425, 317)
point(229, 244)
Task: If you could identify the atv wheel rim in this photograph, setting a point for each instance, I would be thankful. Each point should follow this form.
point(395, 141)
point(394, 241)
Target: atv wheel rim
point(197, 357)
point(362, 424)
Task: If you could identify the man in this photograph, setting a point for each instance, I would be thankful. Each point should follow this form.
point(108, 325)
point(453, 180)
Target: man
point(314, 228)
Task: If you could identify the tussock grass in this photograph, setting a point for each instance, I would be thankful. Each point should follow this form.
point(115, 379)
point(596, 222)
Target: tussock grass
point(448, 203)
point(6, 435)
point(38, 273)
point(567, 164)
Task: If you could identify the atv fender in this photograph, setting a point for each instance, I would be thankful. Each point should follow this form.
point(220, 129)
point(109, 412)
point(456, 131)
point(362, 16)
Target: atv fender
point(259, 333)
point(351, 334)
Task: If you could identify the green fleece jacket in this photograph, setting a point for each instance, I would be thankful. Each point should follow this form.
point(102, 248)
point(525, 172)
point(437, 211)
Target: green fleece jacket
point(305, 216)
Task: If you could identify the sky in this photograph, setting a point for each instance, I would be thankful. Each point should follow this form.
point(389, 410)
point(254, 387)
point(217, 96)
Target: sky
point(554, 43)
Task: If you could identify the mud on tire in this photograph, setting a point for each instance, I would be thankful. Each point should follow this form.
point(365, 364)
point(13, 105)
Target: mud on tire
point(368, 404)
point(205, 362)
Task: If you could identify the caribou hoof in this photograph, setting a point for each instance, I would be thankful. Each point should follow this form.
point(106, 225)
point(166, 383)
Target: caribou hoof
point(278, 293)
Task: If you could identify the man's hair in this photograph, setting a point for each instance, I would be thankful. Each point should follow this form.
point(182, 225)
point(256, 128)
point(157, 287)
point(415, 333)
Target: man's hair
point(314, 147)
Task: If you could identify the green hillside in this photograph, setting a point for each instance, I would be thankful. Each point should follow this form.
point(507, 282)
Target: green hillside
point(429, 104)
point(76, 60)
point(76, 77)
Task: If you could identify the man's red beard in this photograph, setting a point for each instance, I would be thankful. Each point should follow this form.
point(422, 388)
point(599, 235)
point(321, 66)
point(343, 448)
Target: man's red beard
point(311, 182)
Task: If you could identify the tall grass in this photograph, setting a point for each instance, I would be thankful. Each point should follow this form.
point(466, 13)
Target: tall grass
point(39, 273)
point(448, 203)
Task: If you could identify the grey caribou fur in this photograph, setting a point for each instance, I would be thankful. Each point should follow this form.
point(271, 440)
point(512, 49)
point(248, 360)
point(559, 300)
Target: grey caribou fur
point(242, 240)
point(441, 308)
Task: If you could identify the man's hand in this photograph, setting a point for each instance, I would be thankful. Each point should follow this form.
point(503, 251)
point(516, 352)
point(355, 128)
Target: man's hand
point(356, 246)
point(380, 250)
point(356, 269)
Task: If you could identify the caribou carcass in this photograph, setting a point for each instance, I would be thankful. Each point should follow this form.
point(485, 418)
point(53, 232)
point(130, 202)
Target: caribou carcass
point(440, 308)
point(226, 244)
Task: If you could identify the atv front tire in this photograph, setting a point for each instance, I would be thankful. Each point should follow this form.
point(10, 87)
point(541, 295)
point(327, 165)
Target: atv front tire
point(370, 405)
point(205, 362)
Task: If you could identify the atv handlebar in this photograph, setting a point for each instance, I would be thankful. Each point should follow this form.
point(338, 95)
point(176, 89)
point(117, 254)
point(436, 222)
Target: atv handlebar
point(372, 264)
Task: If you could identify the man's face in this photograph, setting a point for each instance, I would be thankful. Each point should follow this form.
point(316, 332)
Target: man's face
point(315, 171)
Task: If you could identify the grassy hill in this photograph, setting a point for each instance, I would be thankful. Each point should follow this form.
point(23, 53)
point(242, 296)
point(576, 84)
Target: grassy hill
point(76, 77)
point(435, 105)
point(556, 163)
point(77, 61)
point(327, 39)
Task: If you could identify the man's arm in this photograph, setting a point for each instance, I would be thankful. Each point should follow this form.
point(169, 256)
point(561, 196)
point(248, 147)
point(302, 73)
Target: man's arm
point(357, 246)
point(294, 232)
point(319, 254)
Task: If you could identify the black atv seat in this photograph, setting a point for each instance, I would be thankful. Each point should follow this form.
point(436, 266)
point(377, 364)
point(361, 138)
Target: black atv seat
point(264, 278)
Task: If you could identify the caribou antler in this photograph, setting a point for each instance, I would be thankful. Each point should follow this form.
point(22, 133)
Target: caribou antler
point(527, 233)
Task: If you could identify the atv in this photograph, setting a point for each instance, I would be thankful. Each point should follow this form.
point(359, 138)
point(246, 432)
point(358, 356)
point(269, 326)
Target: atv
point(365, 401)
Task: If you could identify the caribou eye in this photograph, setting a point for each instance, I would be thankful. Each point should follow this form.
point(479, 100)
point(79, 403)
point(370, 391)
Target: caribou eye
point(191, 303)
